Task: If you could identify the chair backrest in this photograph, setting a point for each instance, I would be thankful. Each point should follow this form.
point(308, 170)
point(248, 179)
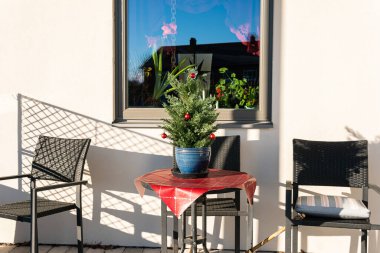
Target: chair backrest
point(343, 163)
point(59, 159)
point(225, 153)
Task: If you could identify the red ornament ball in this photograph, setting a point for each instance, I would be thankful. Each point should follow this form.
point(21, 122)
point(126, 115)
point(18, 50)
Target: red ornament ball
point(164, 135)
point(187, 116)
point(212, 136)
point(192, 75)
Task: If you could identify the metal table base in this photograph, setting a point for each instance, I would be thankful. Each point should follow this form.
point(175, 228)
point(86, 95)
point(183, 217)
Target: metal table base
point(194, 239)
point(189, 240)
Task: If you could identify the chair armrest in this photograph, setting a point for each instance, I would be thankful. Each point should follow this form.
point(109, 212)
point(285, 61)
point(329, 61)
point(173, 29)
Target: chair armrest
point(374, 187)
point(289, 185)
point(288, 199)
point(55, 186)
point(15, 176)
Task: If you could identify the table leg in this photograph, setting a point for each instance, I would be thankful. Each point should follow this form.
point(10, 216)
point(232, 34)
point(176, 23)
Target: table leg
point(194, 227)
point(250, 225)
point(183, 218)
point(175, 234)
point(204, 224)
point(164, 227)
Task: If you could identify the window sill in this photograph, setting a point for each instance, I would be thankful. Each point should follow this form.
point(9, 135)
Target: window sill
point(221, 124)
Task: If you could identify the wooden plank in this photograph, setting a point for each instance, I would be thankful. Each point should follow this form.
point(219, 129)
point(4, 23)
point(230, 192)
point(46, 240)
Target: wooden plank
point(92, 250)
point(133, 250)
point(265, 241)
point(63, 249)
point(21, 249)
point(117, 250)
point(6, 248)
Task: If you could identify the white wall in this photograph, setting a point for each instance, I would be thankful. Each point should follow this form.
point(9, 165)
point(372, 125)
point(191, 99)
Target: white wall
point(58, 55)
point(329, 90)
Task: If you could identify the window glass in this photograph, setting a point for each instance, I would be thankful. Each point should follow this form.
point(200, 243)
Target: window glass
point(221, 37)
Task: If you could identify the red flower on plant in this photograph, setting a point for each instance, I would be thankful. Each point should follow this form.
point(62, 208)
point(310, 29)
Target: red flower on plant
point(218, 90)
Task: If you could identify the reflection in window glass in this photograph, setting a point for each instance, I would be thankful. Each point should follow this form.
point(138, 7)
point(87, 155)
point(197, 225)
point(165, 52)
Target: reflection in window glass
point(222, 37)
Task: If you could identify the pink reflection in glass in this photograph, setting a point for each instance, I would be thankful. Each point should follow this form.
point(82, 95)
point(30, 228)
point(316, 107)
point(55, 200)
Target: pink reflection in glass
point(168, 29)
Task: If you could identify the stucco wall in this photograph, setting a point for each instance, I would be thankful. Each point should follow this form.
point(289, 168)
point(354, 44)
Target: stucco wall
point(58, 55)
point(329, 88)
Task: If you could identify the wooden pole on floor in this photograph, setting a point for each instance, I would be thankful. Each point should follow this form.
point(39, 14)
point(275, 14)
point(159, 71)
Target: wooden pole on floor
point(265, 241)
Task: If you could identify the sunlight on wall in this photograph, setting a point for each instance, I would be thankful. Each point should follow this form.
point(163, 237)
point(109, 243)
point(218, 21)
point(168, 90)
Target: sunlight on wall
point(155, 238)
point(6, 104)
point(117, 223)
point(253, 134)
point(149, 205)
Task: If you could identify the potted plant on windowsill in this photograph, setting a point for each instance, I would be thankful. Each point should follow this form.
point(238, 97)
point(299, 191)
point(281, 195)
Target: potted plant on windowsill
point(232, 92)
point(191, 123)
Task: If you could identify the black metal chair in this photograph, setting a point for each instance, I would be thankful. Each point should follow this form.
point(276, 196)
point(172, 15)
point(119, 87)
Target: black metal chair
point(225, 154)
point(55, 159)
point(341, 164)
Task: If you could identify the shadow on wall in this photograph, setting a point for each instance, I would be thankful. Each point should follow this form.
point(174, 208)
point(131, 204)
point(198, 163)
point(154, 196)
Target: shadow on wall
point(260, 152)
point(113, 211)
point(374, 179)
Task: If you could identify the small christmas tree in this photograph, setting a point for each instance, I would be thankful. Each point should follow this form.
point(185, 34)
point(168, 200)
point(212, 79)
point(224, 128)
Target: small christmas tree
point(192, 118)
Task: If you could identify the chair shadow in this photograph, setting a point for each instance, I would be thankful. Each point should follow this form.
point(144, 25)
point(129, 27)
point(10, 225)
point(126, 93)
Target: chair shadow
point(113, 211)
point(374, 179)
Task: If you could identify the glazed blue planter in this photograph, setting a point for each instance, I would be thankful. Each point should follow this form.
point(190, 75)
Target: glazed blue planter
point(192, 160)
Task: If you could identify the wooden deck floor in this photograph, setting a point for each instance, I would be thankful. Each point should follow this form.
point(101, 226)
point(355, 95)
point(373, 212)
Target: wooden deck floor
point(72, 249)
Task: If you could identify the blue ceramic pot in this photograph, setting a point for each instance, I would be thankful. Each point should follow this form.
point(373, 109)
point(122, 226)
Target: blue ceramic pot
point(192, 160)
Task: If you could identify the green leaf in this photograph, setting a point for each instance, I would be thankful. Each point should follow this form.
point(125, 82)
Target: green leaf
point(223, 70)
point(155, 59)
point(160, 61)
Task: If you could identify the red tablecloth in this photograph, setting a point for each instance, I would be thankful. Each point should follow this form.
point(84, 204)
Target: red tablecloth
point(179, 193)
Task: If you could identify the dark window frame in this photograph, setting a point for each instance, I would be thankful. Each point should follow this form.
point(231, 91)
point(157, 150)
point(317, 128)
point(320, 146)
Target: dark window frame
point(151, 117)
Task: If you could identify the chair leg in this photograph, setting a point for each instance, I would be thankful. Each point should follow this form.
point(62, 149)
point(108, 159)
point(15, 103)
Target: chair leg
point(288, 237)
point(34, 237)
point(364, 241)
point(237, 234)
point(79, 229)
point(295, 239)
point(33, 222)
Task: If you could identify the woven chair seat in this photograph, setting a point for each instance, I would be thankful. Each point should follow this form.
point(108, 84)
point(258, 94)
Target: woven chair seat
point(219, 207)
point(21, 210)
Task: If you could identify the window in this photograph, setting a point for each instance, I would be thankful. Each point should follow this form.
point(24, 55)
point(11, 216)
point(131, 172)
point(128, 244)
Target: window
point(230, 41)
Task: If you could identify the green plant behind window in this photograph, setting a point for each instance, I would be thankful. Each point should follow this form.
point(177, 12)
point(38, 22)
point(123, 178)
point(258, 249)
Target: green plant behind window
point(161, 83)
point(232, 92)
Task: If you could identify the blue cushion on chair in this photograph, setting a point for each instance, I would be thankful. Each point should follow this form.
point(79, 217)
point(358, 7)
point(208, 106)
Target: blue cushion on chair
point(332, 206)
